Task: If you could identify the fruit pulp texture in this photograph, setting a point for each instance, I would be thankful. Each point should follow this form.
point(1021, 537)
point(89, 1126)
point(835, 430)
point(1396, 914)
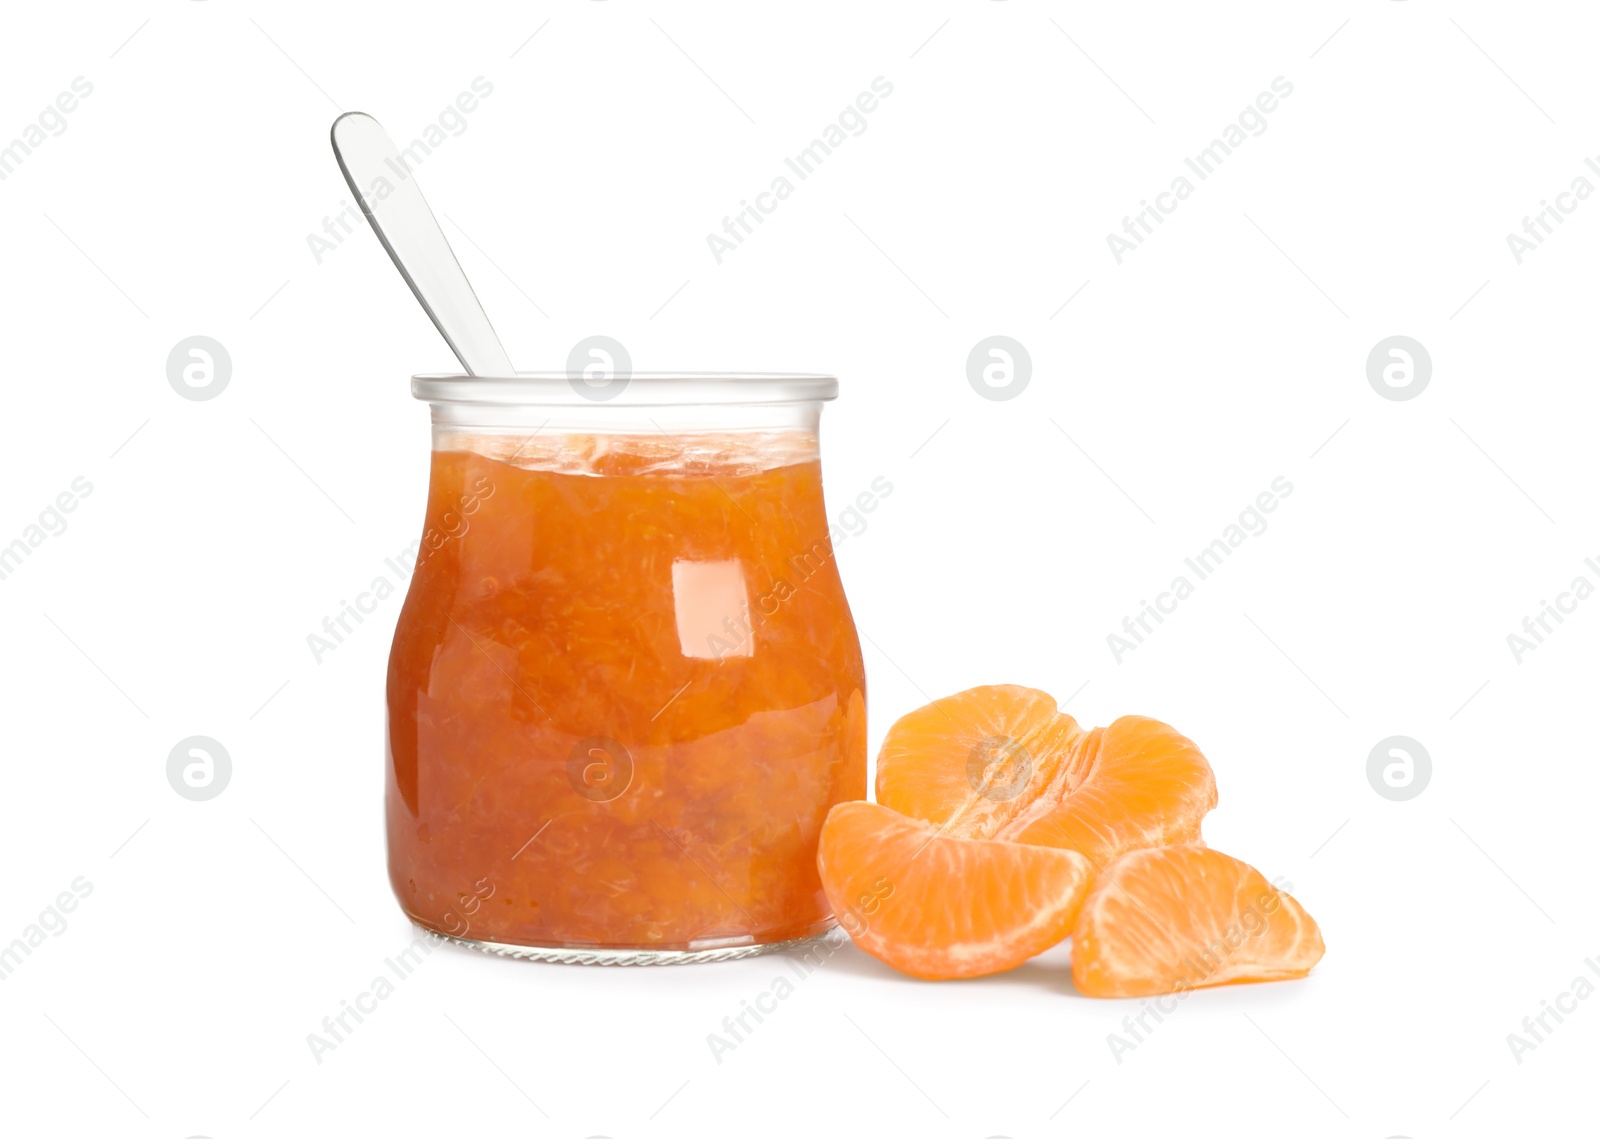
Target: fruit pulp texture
point(624, 691)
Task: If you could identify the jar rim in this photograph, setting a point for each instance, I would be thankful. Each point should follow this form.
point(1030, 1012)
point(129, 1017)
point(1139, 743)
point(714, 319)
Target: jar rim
point(637, 389)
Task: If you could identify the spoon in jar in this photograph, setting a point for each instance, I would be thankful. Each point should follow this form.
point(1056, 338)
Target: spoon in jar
point(415, 243)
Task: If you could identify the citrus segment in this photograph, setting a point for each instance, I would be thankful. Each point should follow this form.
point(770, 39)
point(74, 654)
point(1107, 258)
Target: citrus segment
point(1174, 918)
point(1140, 783)
point(1000, 762)
point(938, 907)
point(936, 761)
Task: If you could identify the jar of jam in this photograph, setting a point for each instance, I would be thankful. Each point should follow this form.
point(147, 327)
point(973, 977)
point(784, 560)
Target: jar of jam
point(625, 687)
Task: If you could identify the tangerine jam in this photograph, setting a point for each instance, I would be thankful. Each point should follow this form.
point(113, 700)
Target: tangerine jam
point(625, 687)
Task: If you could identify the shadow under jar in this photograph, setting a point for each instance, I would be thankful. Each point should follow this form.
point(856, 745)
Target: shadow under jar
point(625, 687)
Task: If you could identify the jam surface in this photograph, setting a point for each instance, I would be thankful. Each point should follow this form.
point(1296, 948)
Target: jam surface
point(624, 690)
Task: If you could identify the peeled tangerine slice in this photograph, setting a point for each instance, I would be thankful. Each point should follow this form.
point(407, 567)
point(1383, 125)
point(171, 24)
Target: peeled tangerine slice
point(1176, 918)
point(938, 907)
point(999, 762)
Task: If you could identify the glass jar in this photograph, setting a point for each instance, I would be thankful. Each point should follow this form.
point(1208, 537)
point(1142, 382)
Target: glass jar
point(625, 687)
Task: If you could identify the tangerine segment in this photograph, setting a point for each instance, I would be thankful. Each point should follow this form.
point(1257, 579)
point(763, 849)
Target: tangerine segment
point(966, 757)
point(1140, 784)
point(941, 908)
point(1174, 918)
point(1000, 762)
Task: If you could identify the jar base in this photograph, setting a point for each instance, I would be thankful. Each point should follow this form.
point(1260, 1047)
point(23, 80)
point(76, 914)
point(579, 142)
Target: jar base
point(580, 955)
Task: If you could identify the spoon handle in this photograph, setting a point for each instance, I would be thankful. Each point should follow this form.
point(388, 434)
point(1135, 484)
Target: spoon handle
point(393, 203)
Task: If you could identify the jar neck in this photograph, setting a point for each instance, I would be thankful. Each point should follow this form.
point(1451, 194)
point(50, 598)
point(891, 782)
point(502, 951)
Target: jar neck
point(623, 419)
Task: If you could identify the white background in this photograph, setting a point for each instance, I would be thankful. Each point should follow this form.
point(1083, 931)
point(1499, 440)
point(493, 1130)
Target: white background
point(1173, 388)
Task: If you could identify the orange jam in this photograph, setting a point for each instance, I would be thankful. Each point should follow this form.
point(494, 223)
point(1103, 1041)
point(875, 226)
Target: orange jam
point(624, 691)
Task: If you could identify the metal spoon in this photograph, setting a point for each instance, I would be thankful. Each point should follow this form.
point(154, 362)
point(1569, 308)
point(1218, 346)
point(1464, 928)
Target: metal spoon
point(406, 226)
